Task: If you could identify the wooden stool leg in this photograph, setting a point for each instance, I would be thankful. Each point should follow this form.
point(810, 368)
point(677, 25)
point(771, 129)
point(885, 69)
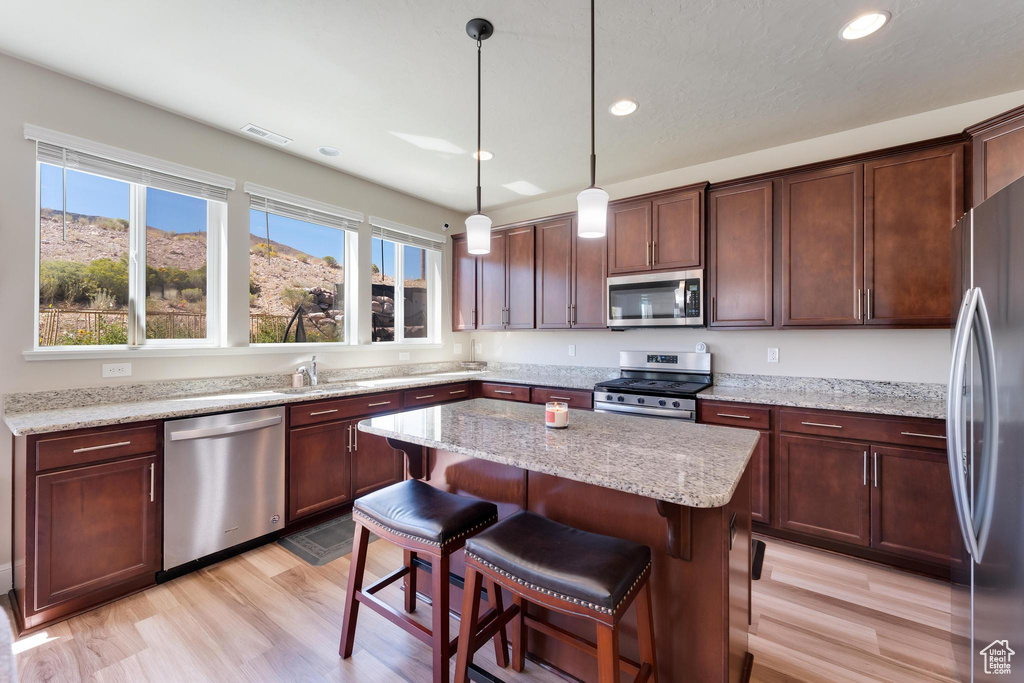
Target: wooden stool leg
point(500, 638)
point(410, 582)
point(519, 635)
point(608, 654)
point(439, 594)
point(355, 584)
point(645, 630)
point(468, 628)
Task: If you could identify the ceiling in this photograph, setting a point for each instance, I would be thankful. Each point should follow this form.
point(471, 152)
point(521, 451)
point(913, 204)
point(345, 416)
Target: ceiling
point(381, 80)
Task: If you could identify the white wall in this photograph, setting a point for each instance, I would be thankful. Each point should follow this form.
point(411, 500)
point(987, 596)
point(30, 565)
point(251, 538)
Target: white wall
point(897, 355)
point(42, 97)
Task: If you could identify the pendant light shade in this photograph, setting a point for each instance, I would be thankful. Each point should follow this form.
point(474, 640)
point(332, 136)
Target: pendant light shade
point(478, 234)
point(478, 226)
point(592, 203)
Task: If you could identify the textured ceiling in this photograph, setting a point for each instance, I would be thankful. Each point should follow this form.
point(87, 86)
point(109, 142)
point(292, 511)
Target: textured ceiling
point(373, 78)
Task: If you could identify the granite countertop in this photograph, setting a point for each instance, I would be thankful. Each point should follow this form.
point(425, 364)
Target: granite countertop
point(679, 462)
point(901, 406)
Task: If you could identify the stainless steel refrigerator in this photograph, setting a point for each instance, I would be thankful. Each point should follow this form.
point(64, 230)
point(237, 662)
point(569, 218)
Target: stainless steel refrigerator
point(985, 437)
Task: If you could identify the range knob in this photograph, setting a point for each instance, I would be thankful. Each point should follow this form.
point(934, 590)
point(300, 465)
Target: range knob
point(640, 401)
point(621, 399)
point(675, 404)
point(607, 397)
point(661, 402)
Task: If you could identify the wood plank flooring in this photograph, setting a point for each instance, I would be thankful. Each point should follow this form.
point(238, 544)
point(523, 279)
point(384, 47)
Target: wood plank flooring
point(268, 616)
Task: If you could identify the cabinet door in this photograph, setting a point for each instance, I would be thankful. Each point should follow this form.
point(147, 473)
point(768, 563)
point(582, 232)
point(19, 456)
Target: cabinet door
point(677, 241)
point(554, 273)
point(375, 464)
point(823, 489)
point(589, 282)
point(96, 526)
point(520, 276)
point(823, 246)
point(629, 237)
point(912, 504)
point(740, 270)
point(998, 153)
point(760, 480)
point(490, 285)
point(463, 286)
point(319, 475)
point(911, 202)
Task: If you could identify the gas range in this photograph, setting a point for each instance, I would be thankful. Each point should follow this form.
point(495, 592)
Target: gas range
point(656, 384)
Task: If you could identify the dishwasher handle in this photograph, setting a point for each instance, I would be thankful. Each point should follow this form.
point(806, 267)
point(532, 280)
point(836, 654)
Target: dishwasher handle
point(226, 429)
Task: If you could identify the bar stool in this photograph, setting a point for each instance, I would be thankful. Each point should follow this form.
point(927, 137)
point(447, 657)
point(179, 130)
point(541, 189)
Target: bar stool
point(565, 570)
point(421, 520)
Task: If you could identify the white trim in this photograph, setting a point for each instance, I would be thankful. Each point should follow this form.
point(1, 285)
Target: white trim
point(53, 137)
point(6, 577)
point(122, 352)
point(379, 222)
point(304, 202)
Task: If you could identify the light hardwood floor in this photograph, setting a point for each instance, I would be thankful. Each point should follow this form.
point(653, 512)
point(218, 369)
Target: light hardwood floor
point(268, 616)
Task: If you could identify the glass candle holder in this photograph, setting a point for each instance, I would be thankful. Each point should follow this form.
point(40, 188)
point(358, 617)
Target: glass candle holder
point(556, 415)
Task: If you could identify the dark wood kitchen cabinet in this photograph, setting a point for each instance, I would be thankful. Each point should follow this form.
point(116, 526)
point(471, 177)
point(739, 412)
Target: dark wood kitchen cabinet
point(319, 468)
point(491, 284)
point(629, 237)
point(665, 232)
point(505, 281)
point(463, 285)
point(570, 277)
point(823, 247)
point(823, 488)
point(740, 269)
point(375, 464)
point(997, 153)
point(911, 202)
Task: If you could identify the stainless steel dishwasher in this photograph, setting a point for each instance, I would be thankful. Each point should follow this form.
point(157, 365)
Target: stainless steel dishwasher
point(223, 482)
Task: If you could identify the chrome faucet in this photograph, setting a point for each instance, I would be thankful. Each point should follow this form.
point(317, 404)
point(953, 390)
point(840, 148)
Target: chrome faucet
point(310, 372)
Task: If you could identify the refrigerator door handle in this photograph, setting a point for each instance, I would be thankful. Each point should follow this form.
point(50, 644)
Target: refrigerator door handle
point(989, 464)
point(954, 417)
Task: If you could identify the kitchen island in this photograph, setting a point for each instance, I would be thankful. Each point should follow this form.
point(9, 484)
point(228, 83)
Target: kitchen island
point(681, 488)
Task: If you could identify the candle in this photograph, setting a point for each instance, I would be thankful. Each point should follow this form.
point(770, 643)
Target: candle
point(556, 415)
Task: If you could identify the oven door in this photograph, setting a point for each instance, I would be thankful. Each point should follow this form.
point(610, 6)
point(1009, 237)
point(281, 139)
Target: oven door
point(657, 299)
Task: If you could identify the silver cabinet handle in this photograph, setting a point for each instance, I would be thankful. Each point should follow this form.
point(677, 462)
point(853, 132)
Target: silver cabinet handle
point(501, 391)
point(875, 467)
point(457, 391)
point(924, 436)
point(561, 398)
point(323, 412)
point(647, 254)
point(86, 449)
point(420, 398)
point(738, 417)
point(355, 437)
point(654, 252)
point(819, 424)
point(858, 302)
point(378, 403)
point(152, 480)
point(869, 304)
point(865, 468)
point(204, 432)
point(568, 315)
point(349, 428)
point(574, 320)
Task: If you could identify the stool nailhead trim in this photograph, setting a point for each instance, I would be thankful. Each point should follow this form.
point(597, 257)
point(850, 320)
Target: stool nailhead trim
point(561, 596)
point(372, 522)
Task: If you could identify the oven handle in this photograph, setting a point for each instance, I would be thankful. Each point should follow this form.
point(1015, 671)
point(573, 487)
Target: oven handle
point(644, 411)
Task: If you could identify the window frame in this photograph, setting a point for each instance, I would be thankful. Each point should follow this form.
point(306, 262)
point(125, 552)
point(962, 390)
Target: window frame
point(434, 285)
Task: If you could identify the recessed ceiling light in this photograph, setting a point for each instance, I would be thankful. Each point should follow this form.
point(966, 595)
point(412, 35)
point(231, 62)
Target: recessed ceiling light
point(864, 25)
point(329, 151)
point(484, 155)
point(624, 107)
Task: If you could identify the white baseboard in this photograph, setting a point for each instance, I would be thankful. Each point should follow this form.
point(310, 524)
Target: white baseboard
point(6, 578)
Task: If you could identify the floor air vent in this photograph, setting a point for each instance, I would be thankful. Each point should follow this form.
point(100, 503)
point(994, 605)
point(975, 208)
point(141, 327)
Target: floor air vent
point(264, 134)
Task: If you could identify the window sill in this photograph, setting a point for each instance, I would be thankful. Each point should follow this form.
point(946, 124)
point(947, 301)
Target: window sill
point(186, 351)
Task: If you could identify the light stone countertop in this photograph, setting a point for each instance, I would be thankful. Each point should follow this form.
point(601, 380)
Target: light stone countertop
point(672, 460)
point(899, 406)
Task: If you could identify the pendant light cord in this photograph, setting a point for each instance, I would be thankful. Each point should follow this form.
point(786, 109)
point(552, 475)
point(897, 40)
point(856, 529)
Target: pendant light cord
point(478, 155)
point(593, 147)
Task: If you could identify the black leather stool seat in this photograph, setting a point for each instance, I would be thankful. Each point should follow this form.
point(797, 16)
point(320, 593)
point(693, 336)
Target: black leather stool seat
point(594, 570)
point(423, 513)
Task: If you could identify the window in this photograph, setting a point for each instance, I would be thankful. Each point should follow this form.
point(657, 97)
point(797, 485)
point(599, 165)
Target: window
point(405, 277)
point(298, 252)
point(126, 252)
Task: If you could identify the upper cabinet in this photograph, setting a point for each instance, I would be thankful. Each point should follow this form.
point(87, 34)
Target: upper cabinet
point(823, 246)
point(490, 285)
point(463, 285)
point(504, 290)
point(570, 277)
point(663, 233)
point(997, 148)
point(740, 270)
point(910, 203)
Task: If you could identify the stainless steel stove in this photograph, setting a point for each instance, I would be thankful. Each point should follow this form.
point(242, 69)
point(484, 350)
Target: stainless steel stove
point(656, 384)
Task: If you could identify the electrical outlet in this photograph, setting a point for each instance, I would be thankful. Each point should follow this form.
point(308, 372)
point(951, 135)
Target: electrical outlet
point(403, 355)
point(117, 369)
point(458, 348)
point(572, 349)
point(773, 355)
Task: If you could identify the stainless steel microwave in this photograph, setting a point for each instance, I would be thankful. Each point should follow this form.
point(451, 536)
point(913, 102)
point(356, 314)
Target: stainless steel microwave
point(674, 299)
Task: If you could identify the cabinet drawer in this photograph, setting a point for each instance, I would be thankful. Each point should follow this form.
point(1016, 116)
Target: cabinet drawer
point(734, 415)
point(505, 392)
point(881, 429)
point(575, 399)
point(82, 449)
point(326, 411)
point(424, 396)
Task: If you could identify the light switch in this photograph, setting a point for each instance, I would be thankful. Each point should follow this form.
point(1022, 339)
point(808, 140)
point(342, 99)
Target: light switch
point(773, 355)
point(117, 369)
point(572, 349)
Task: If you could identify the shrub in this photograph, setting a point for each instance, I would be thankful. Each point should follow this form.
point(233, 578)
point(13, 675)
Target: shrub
point(293, 297)
point(102, 300)
point(118, 224)
point(110, 276)
point(261, 249)
point(302, 258)
point(193, 295)
point(374, 269)
point(331, 261)
point(61, 282)
point(254, 287)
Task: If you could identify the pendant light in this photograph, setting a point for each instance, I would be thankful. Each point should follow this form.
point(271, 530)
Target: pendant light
point(592, 203)
point(478, 226)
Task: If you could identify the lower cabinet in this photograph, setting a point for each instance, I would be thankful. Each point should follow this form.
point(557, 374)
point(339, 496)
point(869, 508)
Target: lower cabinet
point(319, 468)
point(823, 489)
point(760, 480)
point(375, 464)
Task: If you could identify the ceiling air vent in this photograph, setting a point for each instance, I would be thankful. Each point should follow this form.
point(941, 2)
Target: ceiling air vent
point(264, 134)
